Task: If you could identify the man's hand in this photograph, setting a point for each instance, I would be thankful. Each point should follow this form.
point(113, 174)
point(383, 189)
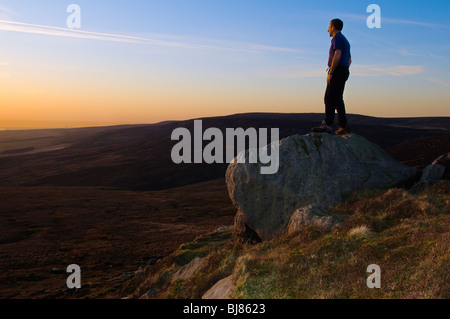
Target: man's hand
point(334, 63)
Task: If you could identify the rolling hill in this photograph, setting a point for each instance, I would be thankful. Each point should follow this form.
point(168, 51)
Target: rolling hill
point(110, 198)
point(138, 157)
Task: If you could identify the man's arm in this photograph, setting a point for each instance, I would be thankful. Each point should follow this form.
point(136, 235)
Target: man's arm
point(349, 61)
point(334, 63)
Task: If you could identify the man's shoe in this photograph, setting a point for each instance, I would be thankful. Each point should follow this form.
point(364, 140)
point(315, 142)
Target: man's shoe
point(342, 131)
point(323, 128)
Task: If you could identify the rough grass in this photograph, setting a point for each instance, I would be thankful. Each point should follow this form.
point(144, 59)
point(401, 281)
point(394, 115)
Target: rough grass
point(407, 235)
point(220, 252)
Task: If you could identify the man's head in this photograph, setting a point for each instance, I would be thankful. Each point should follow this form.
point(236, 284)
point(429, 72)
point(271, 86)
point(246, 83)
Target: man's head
point(335, 26)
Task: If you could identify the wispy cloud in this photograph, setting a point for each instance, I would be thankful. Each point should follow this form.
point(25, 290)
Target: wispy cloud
point(7, 25)
point(388, 20)
point(419, 53)
point(379, 70)
point(358, 70)
point(159, 41)
point(439, 82)
point(312, 73)
point(412, 22)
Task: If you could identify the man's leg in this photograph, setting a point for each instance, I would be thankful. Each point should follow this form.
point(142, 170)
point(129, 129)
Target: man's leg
point(342, 75)
point(334, 100)
point(326, 125)
point(329, 104)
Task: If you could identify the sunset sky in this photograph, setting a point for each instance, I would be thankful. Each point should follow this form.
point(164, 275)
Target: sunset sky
point(139, 61)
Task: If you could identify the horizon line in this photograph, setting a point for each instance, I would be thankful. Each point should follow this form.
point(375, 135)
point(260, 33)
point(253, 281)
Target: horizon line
point(78, 125)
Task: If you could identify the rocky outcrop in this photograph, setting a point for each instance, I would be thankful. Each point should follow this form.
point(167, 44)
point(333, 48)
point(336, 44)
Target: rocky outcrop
point(439, 169)
point(316, 169)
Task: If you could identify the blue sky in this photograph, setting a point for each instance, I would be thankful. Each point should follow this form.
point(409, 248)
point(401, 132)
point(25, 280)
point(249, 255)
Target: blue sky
point(146, 61)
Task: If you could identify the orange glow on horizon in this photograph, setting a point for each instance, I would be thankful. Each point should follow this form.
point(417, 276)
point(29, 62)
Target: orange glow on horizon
point(27, 102)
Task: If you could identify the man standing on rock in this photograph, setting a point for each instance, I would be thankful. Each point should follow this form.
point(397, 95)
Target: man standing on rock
point(339, 61)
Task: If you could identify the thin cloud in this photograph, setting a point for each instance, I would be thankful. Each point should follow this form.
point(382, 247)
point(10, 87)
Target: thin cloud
point(303, 74)
point(412, 22)
point(414, 53)
point(358, 70)
point(439, 82)
point(377, 70)
point(7, 25)
point(361, 17)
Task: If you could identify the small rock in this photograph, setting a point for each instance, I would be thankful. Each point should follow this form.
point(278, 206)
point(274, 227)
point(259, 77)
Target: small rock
point(224, 228)
point(311, 215)
point(433, 173)
point(221, 289)
point(188, 270)
point(444, 160)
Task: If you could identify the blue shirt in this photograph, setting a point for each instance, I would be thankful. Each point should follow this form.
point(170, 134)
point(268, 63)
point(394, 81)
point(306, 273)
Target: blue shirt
point(339, 42)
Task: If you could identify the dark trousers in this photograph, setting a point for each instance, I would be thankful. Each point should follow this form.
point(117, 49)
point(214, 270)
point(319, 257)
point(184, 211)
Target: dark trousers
point(334, 96)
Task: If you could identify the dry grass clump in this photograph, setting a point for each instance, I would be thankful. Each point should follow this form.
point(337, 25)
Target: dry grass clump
point(360, 231)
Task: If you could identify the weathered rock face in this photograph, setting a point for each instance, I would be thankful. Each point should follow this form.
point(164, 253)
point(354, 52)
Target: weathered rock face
point(439, 169)
point(221, 289)
point(188, 270)
point(314, 169)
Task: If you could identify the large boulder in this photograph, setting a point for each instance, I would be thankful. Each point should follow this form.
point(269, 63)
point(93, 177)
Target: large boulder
point(317, 169)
